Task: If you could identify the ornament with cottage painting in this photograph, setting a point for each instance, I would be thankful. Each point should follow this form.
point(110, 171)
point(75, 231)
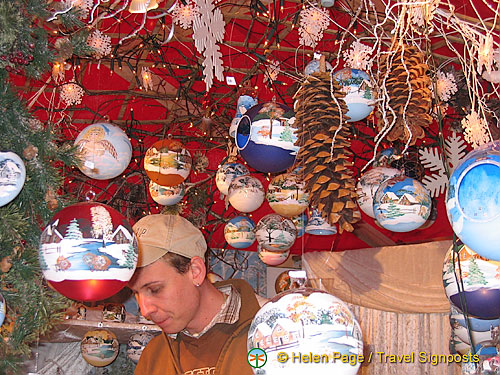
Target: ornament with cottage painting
point(12, 176)
point(136, 344)
point(99, 347)
point(88, 251)
point(246, 193)
point(275, 232)
point(402, 204)
point(166, 195)
point(286, 195)
point(239, 232)
point(226, 174)
point(167, 162)
point(266, 139)
point(356, 85)
point(272, 258)
point(318, 226)
point(105, 151)
point(306, 320)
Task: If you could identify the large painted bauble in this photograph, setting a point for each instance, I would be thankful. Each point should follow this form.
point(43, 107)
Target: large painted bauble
point(318, 226)
point(105, 151)
point(300, 222)
point(275, 232)
point(266, 139)
point(246, 193)
point(272, 258)
point(368, 185)
point(166, 195)
point(136, 344)
point(402, 204)
point(167, 162)
point(226, 173)
point(88, 251)
point(481, 285)
point(306, 321)
point(356, 85)
point(3, 309)
point(99, 347)
point(287, 196)
point(239, 232)
point(473, 200)
point(12, 176)
point(313, 67)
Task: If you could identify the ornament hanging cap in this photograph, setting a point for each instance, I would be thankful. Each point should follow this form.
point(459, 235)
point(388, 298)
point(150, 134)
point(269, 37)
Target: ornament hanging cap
point(298, 277)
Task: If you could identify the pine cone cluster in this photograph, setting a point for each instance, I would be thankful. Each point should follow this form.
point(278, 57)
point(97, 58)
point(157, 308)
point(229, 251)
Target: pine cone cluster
point(404, 79)
point(328, 179)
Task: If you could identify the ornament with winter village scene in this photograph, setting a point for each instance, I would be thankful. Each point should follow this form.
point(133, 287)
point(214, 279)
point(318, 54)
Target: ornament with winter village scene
point(226, 174)
point(246, 193)
point(105, 151)
point(88, 251)
point(166, 195)
point(402, 204)
point(473, 200)
point(368, 185)
point(12, 176)
point(480, 278)
point(318, 226)
point(272, 258)
point(286, 195)
point(306, 320)
point(275, 232)
point(3, 309)
point(244, 103)
point(136, 344)
point(266, 139)
point(239, 232)
point(300, 222)
point(167, 162)
point(359, 97)
point(99, 347)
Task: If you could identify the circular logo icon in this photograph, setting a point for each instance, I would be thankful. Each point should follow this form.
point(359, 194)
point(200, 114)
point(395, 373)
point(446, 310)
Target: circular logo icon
point(256, 357)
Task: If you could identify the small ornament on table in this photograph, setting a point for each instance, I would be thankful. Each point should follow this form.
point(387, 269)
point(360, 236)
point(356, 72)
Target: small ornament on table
point(99, 347)
point(30, 152)
point(113, 312)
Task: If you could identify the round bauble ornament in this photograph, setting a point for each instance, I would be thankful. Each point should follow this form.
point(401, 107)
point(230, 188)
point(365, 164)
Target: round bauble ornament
point(368, 185)
point(12, 176)
point(167, 162)
point(246, 193)
point(306, 320)
point(385, 157)
point(239, 232)
point(266, 139)
point(481, 287)
point(105, 151)
point(359, 97)
point(166, 195)
point(283, 282)
point(99, 347)
point(287, 196)
point(313, 66)
point(300, 222)
point(272, 258)
point(3, 309)
point(88, 251)
point(136, 344)
point(226, 173)
point(318, 226)
point(473, 200)
point(275, 232)
point(402, 204)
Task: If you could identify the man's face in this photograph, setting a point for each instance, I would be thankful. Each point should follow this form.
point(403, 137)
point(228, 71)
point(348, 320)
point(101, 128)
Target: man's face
point(168, 298)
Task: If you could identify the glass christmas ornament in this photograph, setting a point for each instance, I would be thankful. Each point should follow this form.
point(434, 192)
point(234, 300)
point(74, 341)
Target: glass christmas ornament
point(104, 149)
point(113, 312)
point(300, 222)
point(99, 347)
point(356, 85)
point(226, 174)
point(385, 157)
point(245, 102)
point(287, 196)
point(246, 193)
point(239, 232)
point(12, 176)
point(272, 258)
point(473, 200)
point(283, 282)
point(275, 232)
point(313, 65)
point(266, 139)
point(402, 204)
point(166, 195)
point(136, 344)
point(318, 226)
point(142, 6)
point(3, 309)
point(306, 321)
point(88, 251)
point(167, 162)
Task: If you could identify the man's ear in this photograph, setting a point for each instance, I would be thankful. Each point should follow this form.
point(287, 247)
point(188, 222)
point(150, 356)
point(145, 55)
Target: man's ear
point(198, 270)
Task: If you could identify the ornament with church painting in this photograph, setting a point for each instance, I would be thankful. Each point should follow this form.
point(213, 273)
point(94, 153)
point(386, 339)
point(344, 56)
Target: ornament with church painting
point(12, 176)
point(306, 320)
point(136, 344)
point(300, 222)
point(318, 226)
point(99, 347)
point(105, 151)
point(266, 138)
point(356, 85)
point(167, 162)
point(272, 258)
point(402, 204)
point(246, 193)
point(3, 309)
point(275, 232)
point(88, 251)
point(166, 195)
point(239, 232)
point(287, 196)
point(480, 278)
point(226, 173)
point(368, 185)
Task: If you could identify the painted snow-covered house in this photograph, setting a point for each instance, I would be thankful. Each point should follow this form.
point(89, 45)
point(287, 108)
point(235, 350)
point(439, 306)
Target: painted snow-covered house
point(285, 332)
point(262, 336)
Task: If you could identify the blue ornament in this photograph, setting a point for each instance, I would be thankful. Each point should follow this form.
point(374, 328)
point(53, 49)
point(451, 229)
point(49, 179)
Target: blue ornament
point(239, 232)
point(359, 98)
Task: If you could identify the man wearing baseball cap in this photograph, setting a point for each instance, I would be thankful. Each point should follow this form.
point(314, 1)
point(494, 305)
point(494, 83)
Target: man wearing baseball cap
point(204, 326)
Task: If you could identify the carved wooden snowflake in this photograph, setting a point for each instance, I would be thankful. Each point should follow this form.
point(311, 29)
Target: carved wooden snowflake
point(101, 43)
point(71, 94)
point(313, 21)
point(358, 56)
point(184, 15)
point(475, 130)
point(446, 85)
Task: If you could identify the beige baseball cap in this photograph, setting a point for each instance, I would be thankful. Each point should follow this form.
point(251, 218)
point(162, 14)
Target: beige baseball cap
point(160, 234)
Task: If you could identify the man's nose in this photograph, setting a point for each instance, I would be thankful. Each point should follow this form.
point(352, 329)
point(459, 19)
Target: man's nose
point(145, 305)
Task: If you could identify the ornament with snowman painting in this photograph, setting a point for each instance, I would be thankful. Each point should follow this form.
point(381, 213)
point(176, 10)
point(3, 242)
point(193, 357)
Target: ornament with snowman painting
point(275, 232)
point(287, 196)
point(226, 173)
point(246, 193)
point(239, 232)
